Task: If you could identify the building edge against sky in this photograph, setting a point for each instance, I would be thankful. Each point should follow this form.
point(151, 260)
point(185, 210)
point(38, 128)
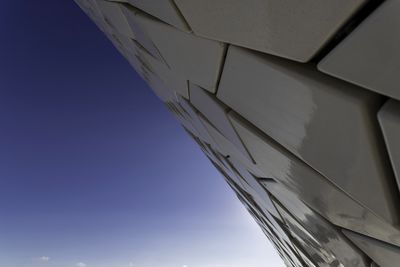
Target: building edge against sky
point(296, 105)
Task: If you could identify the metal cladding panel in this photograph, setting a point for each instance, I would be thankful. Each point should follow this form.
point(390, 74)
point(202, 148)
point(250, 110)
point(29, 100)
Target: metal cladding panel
point(164, 10)
point(329, 124)
point(288, 28)
point(389, 118)
point(383, 254)
point(370, 55)
point(313, 158)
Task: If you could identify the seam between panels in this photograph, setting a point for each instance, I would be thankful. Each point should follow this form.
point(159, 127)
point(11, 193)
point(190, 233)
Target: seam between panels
point(346, 29)
point(222, 66)
point(181, 15)
point(188, 88)
point(261, 134)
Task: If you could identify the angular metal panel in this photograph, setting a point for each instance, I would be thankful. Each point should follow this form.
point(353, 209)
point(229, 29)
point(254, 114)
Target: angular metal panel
point(370, 55)
point(326, 122)
point(216, 112)
point(389, 119)
point(326, 245)
point(287, 28)
point(114, 16)
point(313, 189)
point(164, 10)
point(383, 254)
point(199, 60)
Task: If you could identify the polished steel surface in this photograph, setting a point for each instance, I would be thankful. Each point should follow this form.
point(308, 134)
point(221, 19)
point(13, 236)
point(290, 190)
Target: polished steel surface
point(313, 158)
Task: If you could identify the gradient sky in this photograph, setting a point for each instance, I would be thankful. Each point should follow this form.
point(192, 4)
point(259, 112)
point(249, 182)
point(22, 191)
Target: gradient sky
point(93, 169)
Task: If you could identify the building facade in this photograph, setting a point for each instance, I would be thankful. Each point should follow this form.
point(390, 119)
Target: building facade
point(296, 103)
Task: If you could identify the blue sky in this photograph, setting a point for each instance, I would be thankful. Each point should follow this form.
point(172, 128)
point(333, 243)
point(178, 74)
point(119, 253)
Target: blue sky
point(94, 172)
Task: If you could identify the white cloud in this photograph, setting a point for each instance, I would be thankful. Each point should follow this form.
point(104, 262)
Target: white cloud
point(81, 264)
point(131, 264)
point(184, 266)
point(44, 258)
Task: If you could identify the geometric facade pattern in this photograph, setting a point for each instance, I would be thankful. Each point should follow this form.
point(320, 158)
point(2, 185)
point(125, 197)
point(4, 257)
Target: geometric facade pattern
point(296, 103)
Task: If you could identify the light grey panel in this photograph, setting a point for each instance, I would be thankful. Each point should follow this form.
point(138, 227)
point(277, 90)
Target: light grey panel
point(284, 246)
point(140, 36)
point(327, 245)
point(223, 165)
point(317, 192)
point(194, 118)
point(128, 48)
point(383, 254)
point(171, 79)
point(164, 10)
point(370, 55)
point(272, 225)
point(91, 8)
point(199, 60)
point(159, 88)
point(389, 119)
point(254, 188)
point(114, 16)
point(227, 148)
point(223, 145)
point(216, 112)
point(319, 255)
point(287, 28)
point(307, 259)
point(329, 124)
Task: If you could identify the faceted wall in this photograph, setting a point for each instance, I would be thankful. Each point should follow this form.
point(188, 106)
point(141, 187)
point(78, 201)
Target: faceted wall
point(294, 102)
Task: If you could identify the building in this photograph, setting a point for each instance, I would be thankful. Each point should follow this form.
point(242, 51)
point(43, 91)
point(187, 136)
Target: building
point(295, 103)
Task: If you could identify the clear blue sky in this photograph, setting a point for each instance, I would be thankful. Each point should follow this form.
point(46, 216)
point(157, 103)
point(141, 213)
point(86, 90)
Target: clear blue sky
point(93, 169)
